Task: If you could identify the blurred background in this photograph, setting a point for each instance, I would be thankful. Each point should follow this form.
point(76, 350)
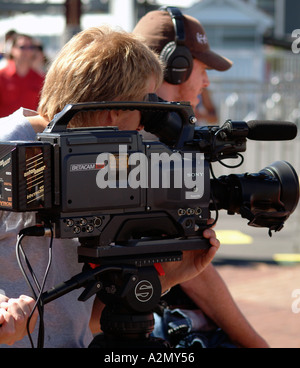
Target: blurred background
point(255, 34)
point(263, 84)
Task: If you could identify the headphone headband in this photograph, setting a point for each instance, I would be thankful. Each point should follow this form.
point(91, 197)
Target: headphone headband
point(177, 20)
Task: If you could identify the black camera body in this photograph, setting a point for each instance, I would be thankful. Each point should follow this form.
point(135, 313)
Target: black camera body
point(123, 196)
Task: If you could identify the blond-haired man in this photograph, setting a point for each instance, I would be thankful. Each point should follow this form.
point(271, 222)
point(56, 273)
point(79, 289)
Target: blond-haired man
point(97, 64)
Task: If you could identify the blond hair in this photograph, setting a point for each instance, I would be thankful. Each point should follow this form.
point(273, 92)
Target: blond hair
point(99, 64)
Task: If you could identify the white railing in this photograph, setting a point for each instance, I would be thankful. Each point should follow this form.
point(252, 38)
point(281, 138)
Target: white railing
point(275, 98)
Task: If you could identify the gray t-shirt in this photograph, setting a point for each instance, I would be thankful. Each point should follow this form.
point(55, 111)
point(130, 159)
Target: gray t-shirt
point(66, 319)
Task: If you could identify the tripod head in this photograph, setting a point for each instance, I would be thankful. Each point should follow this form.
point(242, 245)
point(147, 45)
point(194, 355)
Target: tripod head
point(130, 289)
point(130, 297)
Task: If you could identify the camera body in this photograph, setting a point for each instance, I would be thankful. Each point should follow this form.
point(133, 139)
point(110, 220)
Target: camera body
point(123, 196)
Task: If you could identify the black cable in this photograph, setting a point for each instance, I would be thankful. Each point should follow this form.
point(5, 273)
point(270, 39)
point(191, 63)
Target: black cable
point(39, 300)
point(213, 199)
point(222, 129)
point(232, 166)
point(19, 249)
point(37, 295)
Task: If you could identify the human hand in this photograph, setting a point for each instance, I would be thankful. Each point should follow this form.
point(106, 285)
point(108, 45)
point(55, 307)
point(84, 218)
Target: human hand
point(193, 263)
point(3, 298)
point(14, 314)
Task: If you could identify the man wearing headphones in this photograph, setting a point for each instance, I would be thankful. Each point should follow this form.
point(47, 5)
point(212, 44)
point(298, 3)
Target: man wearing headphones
point(182, 44)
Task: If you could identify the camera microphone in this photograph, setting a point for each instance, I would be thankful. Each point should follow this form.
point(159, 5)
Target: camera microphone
point(270, 130)
point(261, 130)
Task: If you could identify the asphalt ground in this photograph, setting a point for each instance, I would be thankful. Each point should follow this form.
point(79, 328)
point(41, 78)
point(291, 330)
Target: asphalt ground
point(263, 275)
point(269, 296)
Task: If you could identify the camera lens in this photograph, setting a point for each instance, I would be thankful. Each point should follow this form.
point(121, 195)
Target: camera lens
point(288, 179)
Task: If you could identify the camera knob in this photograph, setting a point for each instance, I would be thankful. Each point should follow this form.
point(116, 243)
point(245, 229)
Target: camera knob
point(83, 222)
point(97, 221)
point(70, 222)
point(77, 229)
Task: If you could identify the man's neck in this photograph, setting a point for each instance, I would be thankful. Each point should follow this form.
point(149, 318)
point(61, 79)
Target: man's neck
point(168, 91)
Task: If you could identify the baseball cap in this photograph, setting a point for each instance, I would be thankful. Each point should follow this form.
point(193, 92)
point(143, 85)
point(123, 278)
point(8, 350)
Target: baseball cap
point(157, 29)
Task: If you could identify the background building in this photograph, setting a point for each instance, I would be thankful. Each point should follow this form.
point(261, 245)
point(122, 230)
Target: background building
point(236, 29)
point(255, 34)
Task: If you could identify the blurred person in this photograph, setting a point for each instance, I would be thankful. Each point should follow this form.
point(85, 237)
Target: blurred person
point(20, 84)
point(97, 64)
point(8, 41)
point(205, 110)
point(40, 62)
point(182, 44)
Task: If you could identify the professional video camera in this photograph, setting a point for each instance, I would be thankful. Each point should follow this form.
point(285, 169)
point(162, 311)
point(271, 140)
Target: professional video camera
point(136, 202)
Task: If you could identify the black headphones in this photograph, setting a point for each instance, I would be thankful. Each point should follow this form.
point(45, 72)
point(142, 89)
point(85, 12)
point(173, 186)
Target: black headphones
point(176, 56)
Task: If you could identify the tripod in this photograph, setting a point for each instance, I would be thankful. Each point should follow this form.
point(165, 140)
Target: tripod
point(127, 283)
point(130, 294)
point(127, 319)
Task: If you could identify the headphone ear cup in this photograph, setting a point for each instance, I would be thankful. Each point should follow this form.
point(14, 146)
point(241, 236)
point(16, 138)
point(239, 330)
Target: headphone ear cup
point(178, 63)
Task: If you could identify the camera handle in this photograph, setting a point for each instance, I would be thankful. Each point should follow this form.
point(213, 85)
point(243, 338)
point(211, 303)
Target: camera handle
point(60, 121)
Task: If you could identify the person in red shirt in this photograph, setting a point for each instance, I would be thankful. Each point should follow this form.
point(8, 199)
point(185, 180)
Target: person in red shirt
point(20, 85)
